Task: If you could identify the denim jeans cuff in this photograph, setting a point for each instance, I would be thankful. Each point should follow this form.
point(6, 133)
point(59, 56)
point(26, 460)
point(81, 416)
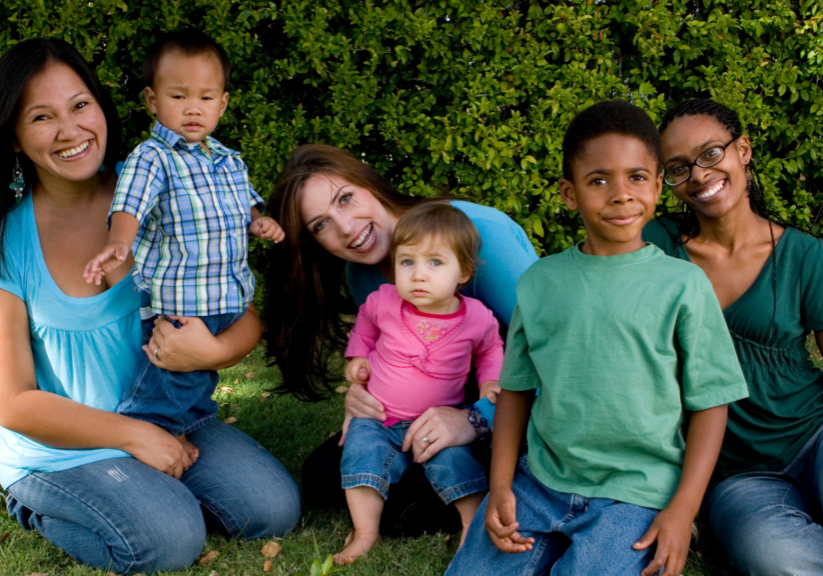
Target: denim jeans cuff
point(453, 493)
point(370, 480)
point(197, 425)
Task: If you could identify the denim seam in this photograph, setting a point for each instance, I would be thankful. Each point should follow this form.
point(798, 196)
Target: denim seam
point(140, 381)
point(537, 552)
point(195, 426)
point(350, 481)
point(123, 539)
point(465, 489)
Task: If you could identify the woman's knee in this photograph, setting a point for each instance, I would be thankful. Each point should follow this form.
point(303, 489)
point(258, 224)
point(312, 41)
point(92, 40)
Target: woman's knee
point(172, 541)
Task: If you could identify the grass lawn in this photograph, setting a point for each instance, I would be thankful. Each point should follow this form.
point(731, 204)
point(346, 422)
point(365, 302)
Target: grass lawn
point(290, 430)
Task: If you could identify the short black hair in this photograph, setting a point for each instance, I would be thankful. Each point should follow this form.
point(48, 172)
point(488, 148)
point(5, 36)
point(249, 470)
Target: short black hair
point(609, 117)
point(191, 42)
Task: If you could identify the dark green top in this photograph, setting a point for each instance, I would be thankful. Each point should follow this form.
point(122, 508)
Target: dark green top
point(785, 406)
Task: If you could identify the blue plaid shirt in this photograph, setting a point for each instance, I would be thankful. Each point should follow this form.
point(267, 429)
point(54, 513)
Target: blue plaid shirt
point(191, 251)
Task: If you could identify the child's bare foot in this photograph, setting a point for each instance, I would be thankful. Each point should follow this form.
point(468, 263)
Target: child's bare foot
point(357, 544)
point(191, 450)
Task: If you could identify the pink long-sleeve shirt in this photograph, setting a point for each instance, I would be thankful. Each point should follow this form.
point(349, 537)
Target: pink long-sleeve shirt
point(419, 360)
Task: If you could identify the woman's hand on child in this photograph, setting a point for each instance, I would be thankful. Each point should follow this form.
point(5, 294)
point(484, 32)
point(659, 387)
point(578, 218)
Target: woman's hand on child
point(438, 428)
point(672, 529)
point(360, 404)
point(112, 256)
point(358, 370)
point(181, 349)
point(501, 523)
point(267, 228)
point(491, 390)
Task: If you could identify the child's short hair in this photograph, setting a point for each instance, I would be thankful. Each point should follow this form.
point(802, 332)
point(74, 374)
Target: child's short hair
point(440, 220)
point(609, 117)
point(191, 42)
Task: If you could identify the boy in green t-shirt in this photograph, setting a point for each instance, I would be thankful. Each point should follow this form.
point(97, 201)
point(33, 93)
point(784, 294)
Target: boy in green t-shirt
point(621, 340)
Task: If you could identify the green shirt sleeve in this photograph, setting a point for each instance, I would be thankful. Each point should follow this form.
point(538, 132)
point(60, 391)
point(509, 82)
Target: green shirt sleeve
point(811, 289)
point(518, 372)
point(710, 371)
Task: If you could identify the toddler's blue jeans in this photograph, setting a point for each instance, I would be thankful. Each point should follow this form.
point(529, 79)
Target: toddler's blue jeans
point(372, 457)
point(573, 535)
point(769, 522)
point(179, 402)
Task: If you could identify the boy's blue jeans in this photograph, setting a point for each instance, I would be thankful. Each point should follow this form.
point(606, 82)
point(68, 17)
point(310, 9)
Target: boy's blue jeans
point(179, 402)
point(573, 535)
point(122, 516)
point(769, 522)
point(372, 457)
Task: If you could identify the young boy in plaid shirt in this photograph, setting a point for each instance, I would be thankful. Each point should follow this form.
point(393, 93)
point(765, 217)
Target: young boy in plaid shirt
point(185, 203)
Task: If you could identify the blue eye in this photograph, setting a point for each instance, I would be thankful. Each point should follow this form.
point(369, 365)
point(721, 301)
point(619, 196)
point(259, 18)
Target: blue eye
point(406, 262)
point(318, 227)
point(436, 262)
point(345, 198)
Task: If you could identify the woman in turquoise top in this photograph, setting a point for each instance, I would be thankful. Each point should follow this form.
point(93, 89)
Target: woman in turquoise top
point(338, 215)
point(765, 511)
point(113, 492)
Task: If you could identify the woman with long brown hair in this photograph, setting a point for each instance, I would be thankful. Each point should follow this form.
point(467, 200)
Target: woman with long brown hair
point(338, 215)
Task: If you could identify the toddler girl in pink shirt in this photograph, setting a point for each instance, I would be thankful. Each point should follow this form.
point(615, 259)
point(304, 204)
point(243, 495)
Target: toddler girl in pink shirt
point(417, 340)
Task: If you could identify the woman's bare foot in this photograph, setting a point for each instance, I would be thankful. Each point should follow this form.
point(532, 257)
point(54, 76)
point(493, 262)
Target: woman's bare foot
point(191, 450)
point(356, 545)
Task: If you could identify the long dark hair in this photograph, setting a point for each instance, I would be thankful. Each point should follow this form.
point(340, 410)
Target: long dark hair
point(18, 66)
point(306, 299)
point(688, 225)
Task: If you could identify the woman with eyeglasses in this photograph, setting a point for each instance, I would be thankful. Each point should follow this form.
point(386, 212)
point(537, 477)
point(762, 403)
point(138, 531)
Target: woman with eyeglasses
point(765, 505)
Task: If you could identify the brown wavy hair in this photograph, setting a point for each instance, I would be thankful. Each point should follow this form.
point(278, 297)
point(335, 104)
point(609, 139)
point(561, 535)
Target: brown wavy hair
point(306, 294)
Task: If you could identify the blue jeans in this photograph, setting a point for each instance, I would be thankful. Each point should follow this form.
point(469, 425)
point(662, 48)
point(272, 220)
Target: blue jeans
point(179, 402)
point(573, 535)
point(769, 522)
point(372, 457)
point(122, 516)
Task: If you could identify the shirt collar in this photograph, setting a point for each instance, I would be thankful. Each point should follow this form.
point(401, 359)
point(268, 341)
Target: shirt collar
point(172, 139)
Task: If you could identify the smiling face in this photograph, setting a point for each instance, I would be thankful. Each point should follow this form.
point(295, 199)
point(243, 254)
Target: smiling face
point(615, 187)
point(346, 220)
point(427, 275)
point(61, 127)
point(188, 96)
point(716, 191)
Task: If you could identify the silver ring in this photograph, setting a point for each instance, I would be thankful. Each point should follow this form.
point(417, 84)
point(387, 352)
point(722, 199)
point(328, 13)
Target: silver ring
point(427, 441)
point(156, 350)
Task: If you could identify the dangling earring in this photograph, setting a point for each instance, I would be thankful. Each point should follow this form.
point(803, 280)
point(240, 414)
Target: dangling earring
point(17, 182)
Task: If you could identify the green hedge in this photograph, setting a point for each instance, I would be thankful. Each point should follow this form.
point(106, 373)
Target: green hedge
point(472, 97)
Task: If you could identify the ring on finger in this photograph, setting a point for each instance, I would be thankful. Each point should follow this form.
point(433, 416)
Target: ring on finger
point(156, 350)
point(427, 440)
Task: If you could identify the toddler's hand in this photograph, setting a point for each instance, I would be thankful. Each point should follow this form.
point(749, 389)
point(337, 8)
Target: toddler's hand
point(114, 254)
point(501, 522)
point(358, 371)
point(490, 389)
point(267, 228)
point(672, 529)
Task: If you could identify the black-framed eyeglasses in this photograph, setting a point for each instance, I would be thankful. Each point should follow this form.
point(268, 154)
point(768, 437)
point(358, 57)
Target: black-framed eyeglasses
point(708, 158)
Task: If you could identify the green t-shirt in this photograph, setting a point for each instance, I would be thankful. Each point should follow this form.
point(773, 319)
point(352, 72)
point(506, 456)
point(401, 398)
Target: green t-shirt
point(785, 406)
point(620, 348)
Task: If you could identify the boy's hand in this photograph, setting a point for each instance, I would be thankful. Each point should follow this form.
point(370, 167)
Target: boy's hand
point(267, 228)
point(672, 529)
point(501, 524)
point(358, 371)
point(490, 389)
point(114, 254)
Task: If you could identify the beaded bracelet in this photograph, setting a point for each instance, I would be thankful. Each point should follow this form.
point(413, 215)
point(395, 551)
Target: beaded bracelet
point(480, 424)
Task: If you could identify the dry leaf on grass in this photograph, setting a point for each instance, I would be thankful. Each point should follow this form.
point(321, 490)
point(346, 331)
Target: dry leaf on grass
point(267, 566)
point(208, 558)
point(341, 389)
point(227, 389)
point(237, 381)
point(230, 420)
point(213, 573)
point(251, 375)
point(270, 549)
point(447, 538)
point(37, 574)
point(5, 537)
